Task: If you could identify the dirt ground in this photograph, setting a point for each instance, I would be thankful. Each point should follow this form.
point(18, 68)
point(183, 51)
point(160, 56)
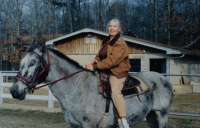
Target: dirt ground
point(36, 119)
point(31, 119)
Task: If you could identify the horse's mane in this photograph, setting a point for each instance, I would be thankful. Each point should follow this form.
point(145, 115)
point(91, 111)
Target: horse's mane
point(61, 55)
point(32, 48)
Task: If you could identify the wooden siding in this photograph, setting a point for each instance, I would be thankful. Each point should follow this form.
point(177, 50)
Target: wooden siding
point(139, 49)
point(78, 44)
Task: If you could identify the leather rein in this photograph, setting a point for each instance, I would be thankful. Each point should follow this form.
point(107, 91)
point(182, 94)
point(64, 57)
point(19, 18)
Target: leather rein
point(31, 82)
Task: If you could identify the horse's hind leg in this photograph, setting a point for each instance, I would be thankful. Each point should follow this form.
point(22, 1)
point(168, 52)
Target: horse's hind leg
point(157, 119)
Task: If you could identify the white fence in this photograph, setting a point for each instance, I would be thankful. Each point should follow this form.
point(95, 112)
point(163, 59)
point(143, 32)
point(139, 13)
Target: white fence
point(51, 98)
point(5, 83)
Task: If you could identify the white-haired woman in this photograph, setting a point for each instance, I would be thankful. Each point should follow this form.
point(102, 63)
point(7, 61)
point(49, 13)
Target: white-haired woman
point(113, 57)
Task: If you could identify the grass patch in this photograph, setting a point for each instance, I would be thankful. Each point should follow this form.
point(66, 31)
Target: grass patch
point(146, 124)
point(185, 121)
point(33, 115)
point(193, 99)
point(9, 110)
point(186, 104)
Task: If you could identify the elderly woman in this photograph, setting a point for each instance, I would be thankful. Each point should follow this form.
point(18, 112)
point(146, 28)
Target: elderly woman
point(113, 57)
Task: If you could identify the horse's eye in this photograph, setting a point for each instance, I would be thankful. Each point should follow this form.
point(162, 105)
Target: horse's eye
point(22, 67)
point(32, 63)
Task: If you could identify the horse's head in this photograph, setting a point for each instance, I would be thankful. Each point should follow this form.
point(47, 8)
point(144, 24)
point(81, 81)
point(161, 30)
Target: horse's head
point(33, 70)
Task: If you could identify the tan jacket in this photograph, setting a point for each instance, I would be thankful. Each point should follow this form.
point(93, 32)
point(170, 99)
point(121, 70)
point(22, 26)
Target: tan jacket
point(117, 57)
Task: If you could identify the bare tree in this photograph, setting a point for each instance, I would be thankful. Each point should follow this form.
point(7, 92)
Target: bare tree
point(156, 19)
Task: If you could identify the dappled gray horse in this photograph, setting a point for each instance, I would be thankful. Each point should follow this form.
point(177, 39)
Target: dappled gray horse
point(81, 105)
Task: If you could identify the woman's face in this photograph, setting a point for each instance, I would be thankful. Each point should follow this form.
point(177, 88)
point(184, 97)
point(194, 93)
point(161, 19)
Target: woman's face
point(113, 29)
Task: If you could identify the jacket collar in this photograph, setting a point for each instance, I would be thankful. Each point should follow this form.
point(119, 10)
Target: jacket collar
point(112, 42)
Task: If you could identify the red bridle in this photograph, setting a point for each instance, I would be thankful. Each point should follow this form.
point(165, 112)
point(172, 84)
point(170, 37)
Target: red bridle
point(31, 82)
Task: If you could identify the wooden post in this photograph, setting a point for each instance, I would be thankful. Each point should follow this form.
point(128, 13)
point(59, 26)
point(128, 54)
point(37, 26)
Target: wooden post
point(50, 102)
point(1, 88)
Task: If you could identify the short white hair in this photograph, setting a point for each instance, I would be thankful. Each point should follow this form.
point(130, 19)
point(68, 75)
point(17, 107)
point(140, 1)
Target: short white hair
point(117, 22)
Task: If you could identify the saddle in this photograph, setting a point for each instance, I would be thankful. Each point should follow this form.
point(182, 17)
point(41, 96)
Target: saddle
point(131, 86)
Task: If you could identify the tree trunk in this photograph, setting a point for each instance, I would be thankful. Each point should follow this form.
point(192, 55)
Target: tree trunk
point(49, 27)
point(1, 44)
point(70, 15)
point(198, 3)
point(11, 39)
point(151, 23)
point(116, 8)
point(80, 16)
point(17, 8)
point(100, 18)
point(32, 27)
point(169, 18)
point(56, 22)
point(155, 19)
point(105, 17)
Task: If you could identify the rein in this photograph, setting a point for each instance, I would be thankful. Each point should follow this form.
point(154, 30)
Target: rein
point(58, 80)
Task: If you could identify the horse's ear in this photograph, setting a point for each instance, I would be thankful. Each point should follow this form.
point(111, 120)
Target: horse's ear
point(32, 46)
point(33, 43)
point(42, 46)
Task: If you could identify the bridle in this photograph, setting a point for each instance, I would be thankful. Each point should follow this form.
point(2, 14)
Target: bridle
point(44, 67)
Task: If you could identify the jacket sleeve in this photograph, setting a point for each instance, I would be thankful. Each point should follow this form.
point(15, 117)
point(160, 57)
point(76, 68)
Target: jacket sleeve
point(114, 59)
point(97, 57)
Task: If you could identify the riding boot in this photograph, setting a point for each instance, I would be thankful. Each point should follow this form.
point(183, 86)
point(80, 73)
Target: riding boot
point(123, 123)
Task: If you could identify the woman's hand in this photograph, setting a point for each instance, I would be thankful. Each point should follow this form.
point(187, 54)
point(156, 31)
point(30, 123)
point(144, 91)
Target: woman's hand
point(89, 66)
point(94, 61)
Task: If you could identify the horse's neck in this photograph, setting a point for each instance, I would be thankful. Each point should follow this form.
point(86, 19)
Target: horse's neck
point(60, 67)
point(68, 89)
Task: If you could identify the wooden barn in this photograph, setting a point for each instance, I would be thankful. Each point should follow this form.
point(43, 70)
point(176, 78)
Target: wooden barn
point(144, 55)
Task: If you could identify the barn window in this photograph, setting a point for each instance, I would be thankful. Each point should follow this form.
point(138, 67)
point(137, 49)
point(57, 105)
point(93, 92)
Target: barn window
point(87, 39)
point(135, 65)
point(94, 39)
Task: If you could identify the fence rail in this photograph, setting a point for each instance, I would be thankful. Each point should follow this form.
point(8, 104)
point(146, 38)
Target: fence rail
point(51, 97)
point(5, 83)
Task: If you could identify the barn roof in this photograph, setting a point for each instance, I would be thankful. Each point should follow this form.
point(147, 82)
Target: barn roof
point(167, 48)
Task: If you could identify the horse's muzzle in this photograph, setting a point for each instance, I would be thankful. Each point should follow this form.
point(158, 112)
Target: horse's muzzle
point(14, 90)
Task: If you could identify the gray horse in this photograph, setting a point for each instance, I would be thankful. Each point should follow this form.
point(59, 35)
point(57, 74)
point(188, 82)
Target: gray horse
point(81, 105)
